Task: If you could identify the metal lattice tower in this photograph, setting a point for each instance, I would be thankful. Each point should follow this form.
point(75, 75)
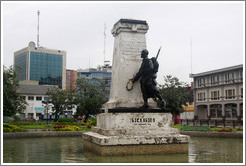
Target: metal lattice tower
point(104, 46)
point(38, 30)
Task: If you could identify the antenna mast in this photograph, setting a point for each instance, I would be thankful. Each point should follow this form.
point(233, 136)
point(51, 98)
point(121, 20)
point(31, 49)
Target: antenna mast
point(191, 56)
point(38, 30)
point(104, 42)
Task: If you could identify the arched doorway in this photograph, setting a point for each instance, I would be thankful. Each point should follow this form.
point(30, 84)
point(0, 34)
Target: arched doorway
point(231, 110)
point(216, 111)
point(202, 112)
point(241, 110)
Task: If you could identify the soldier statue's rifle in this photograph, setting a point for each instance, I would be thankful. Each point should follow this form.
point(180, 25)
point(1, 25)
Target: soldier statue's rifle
point(158, 53)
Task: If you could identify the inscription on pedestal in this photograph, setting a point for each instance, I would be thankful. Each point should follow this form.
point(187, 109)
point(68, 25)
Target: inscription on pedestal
point(142, 121)
point(134, 120)
point(131, 48)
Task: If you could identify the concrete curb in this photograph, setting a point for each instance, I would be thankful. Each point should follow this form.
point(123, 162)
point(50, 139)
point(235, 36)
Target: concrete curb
point(237, 134)
point(42, 134)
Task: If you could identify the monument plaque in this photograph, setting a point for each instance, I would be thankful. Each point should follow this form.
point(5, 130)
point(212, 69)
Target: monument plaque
point(126, 127)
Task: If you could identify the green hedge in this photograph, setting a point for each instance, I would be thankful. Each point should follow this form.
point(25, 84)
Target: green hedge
point(180, 127)
point(195, 128)
point(66, 128)
point(51, 123)
point(91, 122)
point(11, 128)
point(66, 120)
point(222, 128)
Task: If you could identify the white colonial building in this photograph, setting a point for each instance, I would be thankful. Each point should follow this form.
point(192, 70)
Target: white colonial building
point(218, 94)
point(35, 95)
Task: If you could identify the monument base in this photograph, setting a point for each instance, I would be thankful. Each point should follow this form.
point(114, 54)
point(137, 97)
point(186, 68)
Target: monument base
point(118, 150)
point(135, 133)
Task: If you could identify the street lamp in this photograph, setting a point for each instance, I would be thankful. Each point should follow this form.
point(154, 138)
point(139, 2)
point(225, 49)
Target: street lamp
point(46, 105)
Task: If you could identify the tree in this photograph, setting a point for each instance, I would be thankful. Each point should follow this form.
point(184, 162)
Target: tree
point(61, 100)
point(12, 101)
point(175, 94)
point(90, 96)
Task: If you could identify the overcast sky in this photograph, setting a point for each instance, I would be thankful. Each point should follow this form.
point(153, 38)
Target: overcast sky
point(215, 29)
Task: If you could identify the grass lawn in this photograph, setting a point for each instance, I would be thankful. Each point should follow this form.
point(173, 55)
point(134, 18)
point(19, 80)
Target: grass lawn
point(49, 126)
point(43, 126)
point(180, 127)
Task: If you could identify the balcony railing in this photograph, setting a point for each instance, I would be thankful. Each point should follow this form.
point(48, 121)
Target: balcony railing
point(219, 83)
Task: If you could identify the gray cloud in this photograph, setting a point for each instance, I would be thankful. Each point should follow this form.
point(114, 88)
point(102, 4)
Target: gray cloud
point(216, 31)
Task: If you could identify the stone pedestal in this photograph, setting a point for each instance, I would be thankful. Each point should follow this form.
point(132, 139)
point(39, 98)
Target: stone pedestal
point(129, 42)
point(135, 133)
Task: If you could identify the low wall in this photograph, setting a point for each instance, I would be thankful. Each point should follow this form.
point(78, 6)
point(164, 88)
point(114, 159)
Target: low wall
point(238, 134)
point(42, 134)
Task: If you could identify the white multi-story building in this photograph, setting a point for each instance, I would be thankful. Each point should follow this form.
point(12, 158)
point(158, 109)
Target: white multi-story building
point(218, 94)
point(34, 95)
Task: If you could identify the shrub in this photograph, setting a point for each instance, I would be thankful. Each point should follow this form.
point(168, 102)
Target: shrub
point(66, 128)
point(224, 130)
point(29, 123)
point(58, 127)
point(16, 118)
point(66, 120)
point(69, 123)
point(11, 128)
point(180, 127)
point(91, 122)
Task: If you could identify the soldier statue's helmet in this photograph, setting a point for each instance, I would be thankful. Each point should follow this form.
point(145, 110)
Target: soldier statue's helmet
point(144, 53)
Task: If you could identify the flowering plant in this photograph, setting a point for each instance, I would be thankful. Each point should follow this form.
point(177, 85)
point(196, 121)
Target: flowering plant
point(66, 128)
point(59, 127)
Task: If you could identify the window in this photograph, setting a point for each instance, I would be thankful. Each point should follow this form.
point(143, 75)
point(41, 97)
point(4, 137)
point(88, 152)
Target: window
point(241, 93)
point(215, 95)
point(201, 82)
point(216, 111)
point(241, 110)
point(46, 68)
point(39, 98)
point(21, 61)
point(230, 94)
point(215, 80)
point(231, 110)
point(241, 75)
point(30, 115)
point(229, 78)
point(201, 96)
point(39, 115)
point(30, 97)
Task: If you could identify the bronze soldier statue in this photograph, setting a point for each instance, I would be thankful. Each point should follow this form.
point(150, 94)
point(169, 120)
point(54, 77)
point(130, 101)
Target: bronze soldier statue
point(147, 73)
